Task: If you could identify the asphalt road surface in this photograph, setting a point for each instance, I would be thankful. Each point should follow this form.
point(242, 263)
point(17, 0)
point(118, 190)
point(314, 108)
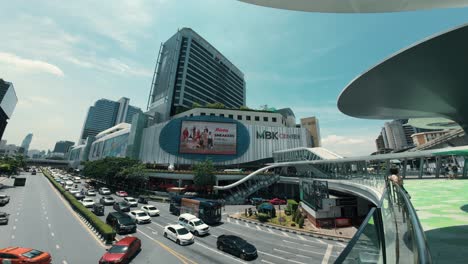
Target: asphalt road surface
point(41, 219)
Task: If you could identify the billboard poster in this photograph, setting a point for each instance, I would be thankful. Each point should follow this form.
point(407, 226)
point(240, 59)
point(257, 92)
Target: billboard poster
point(199, 137)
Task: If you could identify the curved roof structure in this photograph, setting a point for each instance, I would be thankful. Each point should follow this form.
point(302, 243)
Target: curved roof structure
point(433, 123)
point(428, 79)
point(358, 6)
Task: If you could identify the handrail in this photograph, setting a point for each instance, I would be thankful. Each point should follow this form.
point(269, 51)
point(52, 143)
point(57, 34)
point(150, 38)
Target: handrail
point(246, 178)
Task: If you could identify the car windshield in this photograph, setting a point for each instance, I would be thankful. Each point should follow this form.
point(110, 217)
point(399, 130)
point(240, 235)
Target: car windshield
point(130, 199)
point(118, 249)
point(32, 254)
point(105, 189)
point(109, 198)
point(123, 204)
point(88, 200)
point(125, 221)
point(198, 222)
point(141, 214)
point(240, 241)
point(182, 231)
point(151, 208)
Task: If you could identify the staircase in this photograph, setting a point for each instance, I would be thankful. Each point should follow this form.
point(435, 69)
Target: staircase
point(238, 194)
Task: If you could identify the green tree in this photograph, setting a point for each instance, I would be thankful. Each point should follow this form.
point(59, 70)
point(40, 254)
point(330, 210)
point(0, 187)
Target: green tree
point(204, 174)
point(134, 176)
point(196, 105)
point(108, 168)
point(216, 105)
point(243, 107)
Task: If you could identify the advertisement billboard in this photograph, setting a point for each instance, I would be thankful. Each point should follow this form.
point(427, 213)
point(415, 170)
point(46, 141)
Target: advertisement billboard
point(199, 137)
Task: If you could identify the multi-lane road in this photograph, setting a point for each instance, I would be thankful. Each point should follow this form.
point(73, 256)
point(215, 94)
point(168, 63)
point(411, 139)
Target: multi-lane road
point(41, 218)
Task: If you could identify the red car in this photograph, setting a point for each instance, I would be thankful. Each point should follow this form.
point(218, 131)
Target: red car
point(277, 201)
point(122, 252)
point(121, 193)
point(16, 255)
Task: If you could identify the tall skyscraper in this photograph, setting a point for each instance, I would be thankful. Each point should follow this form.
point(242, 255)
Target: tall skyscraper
point(312, 124)
point(190, 70)
point(26, 143)
point(379, 143)
point(106, 114)
point(63, 146)
point(8, 101)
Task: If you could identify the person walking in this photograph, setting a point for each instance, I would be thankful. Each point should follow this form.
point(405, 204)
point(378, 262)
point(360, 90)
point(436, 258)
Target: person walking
point(397, 179)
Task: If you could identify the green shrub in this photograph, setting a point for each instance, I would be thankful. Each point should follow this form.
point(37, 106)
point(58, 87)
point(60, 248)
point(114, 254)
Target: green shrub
point(296, 215)
point(262, 217)
point(301, 221)
point(287, 211)
point(292, 205)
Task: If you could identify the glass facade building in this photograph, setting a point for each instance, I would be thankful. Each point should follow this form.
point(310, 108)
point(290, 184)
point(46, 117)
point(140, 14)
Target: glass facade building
point(190, 70)
point(8, 101)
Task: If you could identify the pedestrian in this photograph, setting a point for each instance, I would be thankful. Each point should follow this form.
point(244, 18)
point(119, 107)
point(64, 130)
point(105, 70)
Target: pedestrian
point(397, 179)
point(454, 171)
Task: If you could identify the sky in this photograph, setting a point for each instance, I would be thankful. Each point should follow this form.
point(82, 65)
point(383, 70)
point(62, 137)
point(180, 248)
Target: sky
point(62, 56)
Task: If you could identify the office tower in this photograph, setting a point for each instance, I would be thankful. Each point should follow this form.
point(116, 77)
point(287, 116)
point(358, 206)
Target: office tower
point(190, 70)
point(26, 143)
point(106, 114)
point(8, 101)
point(379, 143)
point(63, 146)
point(312, 124)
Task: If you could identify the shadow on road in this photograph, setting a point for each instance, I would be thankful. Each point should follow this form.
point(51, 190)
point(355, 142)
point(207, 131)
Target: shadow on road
point(448, 244)
point(464, 208)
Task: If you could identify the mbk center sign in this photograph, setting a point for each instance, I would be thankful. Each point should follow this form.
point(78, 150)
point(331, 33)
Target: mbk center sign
point(276, 135)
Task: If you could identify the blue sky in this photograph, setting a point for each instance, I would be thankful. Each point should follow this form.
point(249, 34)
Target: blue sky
point(64, 55)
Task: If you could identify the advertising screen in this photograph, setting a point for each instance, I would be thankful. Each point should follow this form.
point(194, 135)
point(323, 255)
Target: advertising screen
point(198, 137)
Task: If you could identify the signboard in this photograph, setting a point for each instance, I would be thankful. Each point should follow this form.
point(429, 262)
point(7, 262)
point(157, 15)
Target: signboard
point(199, 137)
point(313, 192)
point(276, 135)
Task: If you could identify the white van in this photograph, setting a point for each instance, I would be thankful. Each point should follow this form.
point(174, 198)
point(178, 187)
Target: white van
point(193, 224)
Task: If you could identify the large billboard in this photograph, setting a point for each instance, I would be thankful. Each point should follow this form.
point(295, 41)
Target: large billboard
point(199, 137)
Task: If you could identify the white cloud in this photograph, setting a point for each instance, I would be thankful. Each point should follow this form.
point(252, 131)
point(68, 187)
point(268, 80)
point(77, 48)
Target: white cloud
point(349, 146)
point(111, 65)
point(13, 60)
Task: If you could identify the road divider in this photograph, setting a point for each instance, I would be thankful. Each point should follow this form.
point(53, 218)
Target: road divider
point(105, 231)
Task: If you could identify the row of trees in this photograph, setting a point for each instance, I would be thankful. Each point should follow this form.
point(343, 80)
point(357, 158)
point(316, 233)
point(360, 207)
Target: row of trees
point(11, 165)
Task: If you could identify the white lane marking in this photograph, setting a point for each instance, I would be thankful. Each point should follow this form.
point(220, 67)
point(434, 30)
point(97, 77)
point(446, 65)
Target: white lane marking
point(14, 227)
point(158, 224)
point(47, 218)
point(214, 236)
point(340, 244)
point(258, 227)
point(247, 225)
point(219, 252)
point(12, 236)
point(154, 232)
point(298, 255)
point(278, 257)
point(229, 220)
point(237, 222)
point(285, 234)
point(305, 245)
point(326, 257)
point(301, 237)
point(16, 219)
point(49, 225)
point(267, 262)
point(17, 213)
point(150, 228)
point(52, 234)
point(321, 242)
point(271, 231)
point(64, 262)
point(57, 246)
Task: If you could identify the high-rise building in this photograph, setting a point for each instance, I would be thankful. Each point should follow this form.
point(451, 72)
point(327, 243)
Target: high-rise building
point(63, 146)
point(312, 125)
point(26, 143)
point(384, 137)
point(8, 101)
point(106, 114)
point(190, 70)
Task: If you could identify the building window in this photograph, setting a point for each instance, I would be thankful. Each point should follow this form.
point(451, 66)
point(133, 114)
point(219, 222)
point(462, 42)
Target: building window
point(239, 117)
point(273, 119)
point(231, 116)
point(202, 114)
point(221, 115)
point(257, 118)
point(247, 118)
point(212, 114)
point(265, 118)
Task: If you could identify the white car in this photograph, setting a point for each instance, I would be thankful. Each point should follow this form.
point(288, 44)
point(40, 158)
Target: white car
point(91, 193)
point(193, 224)
point(131, 201)
point(104, 191)
point(74, 190)
point(150, 210)
point(87, 202)
point(141, 217)
point(68, 186)
point(77, 179)
point(179, 234)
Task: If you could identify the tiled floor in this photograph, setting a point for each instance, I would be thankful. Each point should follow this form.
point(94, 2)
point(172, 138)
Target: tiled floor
point(442, 207)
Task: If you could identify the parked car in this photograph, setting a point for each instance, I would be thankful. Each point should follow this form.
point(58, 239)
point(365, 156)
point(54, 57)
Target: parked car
point(236, 246)
point(193, 224)
point(74, 190)
point(276, 201)
point(141, 217)
point(24, 255)
point(179, 234)
point(4, 199)
point(131, 201)
point(91, 192)
point(122, 207)
point(79, 196)
point(121, 223)
point(97, 209)
point(123, 251)
point(107, 200)
point(150, 210)
point(77, 180)
point(121, 193)
point(256, 201)
point(104, 191)
point(88, 202)
point(33, 172)
point(142, 200)
point(4, 218)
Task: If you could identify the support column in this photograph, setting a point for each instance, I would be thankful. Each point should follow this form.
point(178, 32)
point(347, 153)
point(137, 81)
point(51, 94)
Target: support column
point(421, 167)
point(180, 183)
point(438, 165)
point(405, 165)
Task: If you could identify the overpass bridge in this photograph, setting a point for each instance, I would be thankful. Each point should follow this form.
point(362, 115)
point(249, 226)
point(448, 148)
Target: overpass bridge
point(47, 162)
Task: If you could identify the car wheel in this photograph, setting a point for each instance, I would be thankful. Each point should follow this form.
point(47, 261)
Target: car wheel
point(165, 234)
point(178, 242)
point(220, 248)
point(242, 256)
point(196, 233)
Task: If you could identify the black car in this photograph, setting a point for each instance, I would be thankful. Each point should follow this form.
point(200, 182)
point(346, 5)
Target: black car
point(4, 199)
point(142, 200)
point(236, 246)
point(98, 209)
point(79, 196)
point(122, 207)
point(107, 200)
point(121, 223)
point(4, 218)
point(33, 172)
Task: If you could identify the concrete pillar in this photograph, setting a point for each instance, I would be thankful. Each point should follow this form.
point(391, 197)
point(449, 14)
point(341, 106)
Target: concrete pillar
point(438, 165)
point(180, 183)
point(421, 167)
point(405, 165)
